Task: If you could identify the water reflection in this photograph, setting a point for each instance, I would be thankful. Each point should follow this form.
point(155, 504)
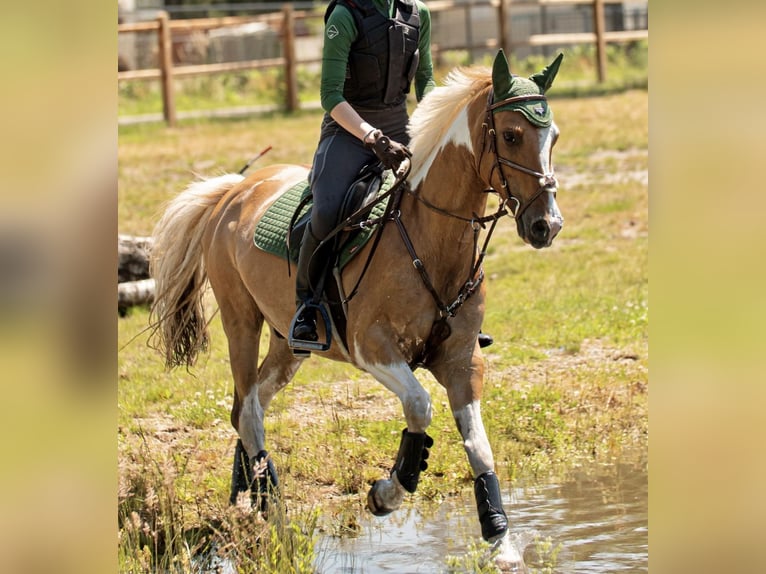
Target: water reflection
point(596, 520)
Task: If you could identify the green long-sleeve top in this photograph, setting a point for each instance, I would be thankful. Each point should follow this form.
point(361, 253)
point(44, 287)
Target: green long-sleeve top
point(340, 32)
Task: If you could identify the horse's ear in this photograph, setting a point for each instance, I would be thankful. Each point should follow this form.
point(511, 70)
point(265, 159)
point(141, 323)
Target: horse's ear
point(545, 78)
point(501, 76)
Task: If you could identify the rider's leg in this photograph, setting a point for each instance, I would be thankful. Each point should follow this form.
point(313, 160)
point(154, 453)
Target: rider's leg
point(338, 159)
point(311, 264)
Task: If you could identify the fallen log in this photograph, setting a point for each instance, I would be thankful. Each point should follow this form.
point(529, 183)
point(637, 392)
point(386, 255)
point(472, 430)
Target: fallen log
point(133, 293)
point(133, 257)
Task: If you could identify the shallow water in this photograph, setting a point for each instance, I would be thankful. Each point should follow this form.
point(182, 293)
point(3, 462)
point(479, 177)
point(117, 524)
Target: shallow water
point(596, 519)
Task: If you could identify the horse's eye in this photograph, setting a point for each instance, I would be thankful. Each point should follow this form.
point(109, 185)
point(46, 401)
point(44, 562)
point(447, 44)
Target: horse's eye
point(512, 137)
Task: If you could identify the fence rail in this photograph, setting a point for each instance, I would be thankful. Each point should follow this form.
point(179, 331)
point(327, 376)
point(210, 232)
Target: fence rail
point(286, 21)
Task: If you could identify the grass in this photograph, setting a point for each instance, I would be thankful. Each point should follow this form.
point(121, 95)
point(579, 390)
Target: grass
point(566, 379)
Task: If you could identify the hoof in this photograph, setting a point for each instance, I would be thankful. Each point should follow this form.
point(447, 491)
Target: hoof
point(384, 497)
point(507, 556)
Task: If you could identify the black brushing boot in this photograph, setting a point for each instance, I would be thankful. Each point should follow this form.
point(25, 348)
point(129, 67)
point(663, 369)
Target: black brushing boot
point(494, 522)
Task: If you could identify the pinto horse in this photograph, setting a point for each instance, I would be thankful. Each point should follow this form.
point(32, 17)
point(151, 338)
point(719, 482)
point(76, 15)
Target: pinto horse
point(478, 133)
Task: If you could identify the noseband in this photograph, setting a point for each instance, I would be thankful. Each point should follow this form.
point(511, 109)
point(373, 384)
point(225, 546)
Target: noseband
point(546, 181)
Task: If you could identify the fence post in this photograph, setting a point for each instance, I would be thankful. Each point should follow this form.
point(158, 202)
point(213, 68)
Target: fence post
point(505, 43)
point(288, 38)
point(600, 28)
point(166, 69)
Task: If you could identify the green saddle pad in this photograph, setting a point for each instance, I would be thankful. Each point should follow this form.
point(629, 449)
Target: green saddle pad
point(271, 232)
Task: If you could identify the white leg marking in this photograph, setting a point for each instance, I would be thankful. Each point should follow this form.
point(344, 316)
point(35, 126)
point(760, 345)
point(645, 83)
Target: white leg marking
point(475, 438)
point(416, 401)
point(251, 423)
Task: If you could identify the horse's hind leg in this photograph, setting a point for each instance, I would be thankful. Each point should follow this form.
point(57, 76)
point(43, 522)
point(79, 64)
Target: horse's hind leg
point(242, 322)
point(276, 371)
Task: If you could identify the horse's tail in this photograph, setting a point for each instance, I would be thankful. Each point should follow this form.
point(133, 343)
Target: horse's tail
point(179, 327)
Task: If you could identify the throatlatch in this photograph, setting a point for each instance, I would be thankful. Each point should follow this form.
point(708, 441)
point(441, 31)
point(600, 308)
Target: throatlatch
point(411, 458)
point(489, 503)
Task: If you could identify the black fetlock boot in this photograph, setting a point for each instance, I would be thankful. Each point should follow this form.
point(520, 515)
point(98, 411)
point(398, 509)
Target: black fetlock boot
point(494, 522)
point(241, 473)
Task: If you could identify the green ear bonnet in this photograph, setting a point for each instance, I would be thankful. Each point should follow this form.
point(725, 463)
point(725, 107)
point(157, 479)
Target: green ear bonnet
point(505, 86)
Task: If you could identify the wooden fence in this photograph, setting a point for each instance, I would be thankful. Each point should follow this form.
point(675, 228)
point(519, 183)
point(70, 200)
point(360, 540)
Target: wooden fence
point(286, 19)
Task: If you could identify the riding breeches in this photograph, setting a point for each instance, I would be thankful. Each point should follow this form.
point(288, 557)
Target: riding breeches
point(337, 162)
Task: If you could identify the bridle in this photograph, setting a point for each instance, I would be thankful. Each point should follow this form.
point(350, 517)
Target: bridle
point(546, 181)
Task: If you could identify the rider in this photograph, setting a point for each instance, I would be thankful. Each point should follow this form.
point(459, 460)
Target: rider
point(373, 50)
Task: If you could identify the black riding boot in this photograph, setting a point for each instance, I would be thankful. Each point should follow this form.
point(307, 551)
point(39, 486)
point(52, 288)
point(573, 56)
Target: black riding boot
point(311, 265)
point(485, 339)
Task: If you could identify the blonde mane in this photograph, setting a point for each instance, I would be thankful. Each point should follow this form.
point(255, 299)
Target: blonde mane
point(438, 109)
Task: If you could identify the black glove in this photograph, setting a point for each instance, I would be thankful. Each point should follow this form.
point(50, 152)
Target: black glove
point(389, 152)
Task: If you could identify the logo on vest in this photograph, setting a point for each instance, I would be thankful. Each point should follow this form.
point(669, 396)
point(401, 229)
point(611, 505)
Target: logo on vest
point(332, 31)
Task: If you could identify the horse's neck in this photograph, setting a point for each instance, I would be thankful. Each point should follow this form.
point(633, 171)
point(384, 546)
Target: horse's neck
point(437, 215)
point(449, 178)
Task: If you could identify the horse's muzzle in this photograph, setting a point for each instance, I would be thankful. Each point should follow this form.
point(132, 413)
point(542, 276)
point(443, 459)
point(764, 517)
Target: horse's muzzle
point(543, 230)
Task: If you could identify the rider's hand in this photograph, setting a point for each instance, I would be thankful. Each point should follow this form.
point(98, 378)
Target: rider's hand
point(389, 152)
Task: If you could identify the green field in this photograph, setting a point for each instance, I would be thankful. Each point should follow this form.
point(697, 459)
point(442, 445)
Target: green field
point(567, 378)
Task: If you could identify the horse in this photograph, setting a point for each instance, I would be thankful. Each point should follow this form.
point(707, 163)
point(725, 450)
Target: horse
point(419, 299)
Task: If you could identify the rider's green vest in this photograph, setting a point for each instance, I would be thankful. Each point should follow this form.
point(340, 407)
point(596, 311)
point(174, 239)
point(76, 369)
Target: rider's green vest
point(384, 57)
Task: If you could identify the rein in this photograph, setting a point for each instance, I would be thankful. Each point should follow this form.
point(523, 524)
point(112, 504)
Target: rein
point(350, 223)
point(394, 213)
point(546, 181)
point(475, 274)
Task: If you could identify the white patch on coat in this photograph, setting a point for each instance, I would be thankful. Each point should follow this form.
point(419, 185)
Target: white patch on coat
point(458, 134)
point(287, 178)
point(547, 136)
point(399, 379)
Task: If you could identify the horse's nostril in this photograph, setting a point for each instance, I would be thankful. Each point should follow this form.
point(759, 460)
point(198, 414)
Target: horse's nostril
point(539, 230)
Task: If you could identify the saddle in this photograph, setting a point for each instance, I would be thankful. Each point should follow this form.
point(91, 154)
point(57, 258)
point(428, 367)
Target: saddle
point(280, 230)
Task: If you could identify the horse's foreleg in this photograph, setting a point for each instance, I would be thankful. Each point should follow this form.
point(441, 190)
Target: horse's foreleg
point(486, 486)
point(464, 387)
point(386, 495)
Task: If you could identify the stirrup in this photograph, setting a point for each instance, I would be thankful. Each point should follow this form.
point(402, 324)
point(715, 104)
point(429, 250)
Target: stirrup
point(302, 345)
